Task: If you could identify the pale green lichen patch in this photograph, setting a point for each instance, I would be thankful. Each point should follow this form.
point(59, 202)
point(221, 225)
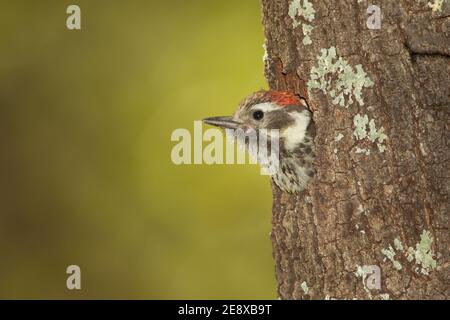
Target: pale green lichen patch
point(335, 76)
point(377, 135)
point(362, 150)
point(304, 287)
point(384, 296)
point(302, 10)
point(294, 9)
point(372, 134)
point(410, 254)
point(338, 137)
point(362, 272)
point(360, 123)
point(398, 245)
point(307, 29)
point(436, 5)
point(360, 209)
point(390, 255)
point(423, 253)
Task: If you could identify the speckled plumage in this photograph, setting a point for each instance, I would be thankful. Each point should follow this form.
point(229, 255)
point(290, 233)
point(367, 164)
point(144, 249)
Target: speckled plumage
point(296, 167)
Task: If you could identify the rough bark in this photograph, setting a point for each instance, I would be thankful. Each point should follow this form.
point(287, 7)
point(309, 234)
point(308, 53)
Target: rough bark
point(358, 207)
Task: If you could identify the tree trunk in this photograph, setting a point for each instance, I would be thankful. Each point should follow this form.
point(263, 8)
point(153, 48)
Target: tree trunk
point(380, 196)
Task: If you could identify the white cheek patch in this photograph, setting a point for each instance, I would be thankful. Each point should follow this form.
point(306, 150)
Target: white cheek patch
point(295, 133)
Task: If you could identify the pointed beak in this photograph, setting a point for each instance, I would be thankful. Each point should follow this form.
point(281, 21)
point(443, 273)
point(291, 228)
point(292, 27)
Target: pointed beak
point(222, 122)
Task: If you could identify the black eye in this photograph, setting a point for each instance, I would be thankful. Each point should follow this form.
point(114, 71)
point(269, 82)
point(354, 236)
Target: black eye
point(258, 115)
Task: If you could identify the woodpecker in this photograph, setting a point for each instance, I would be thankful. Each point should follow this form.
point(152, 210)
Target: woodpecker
point(289, 114)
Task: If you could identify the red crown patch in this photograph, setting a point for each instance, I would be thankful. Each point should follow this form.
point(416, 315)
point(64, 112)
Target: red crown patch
point(283, 98)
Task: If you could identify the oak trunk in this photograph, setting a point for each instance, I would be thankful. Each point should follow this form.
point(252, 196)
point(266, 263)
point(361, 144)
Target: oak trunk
point(380, 196)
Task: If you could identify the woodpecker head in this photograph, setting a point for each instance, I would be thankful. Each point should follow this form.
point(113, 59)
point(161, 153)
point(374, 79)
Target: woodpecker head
point(270, 110)
point(291, 116)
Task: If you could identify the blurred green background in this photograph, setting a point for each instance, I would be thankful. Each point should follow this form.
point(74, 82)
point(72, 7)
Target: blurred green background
point(86, 175)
